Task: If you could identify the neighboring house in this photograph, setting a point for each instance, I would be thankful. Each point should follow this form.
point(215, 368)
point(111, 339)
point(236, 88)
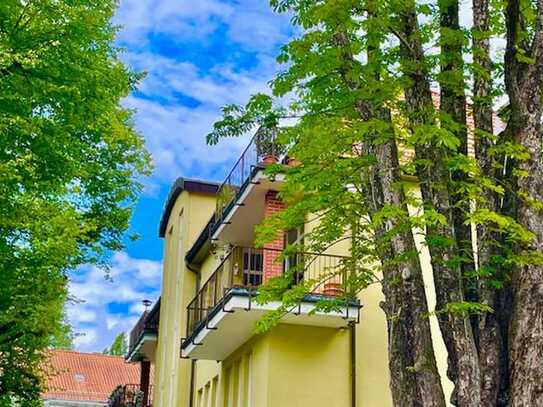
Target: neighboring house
point(200, 336)
point(78, 379)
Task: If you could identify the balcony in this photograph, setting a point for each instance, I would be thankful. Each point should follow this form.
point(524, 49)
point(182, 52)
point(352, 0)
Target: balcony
point(223, 314)
point(144, 335)
point(130, 395)
point(241, 194)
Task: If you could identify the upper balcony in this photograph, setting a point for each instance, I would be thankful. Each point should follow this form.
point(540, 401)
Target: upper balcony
point(144, 335)
point(240, 198)
point(223, 314)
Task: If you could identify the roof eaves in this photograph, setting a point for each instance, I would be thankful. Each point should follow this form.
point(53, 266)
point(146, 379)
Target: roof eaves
point(183, 184)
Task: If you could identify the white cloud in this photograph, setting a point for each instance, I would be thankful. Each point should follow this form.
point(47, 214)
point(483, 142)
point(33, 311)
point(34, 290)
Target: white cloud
point(129, 281)
point(112, 322)
point(81, 315)
point(250, 23)
point(175, 134)
point(181, 97)
point(176, 18)
point(137, 308)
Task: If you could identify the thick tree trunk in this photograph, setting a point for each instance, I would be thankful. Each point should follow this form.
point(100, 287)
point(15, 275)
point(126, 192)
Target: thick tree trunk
point(414, 378)
point(453, 107)
point(526, 335)
point(524, 84)
point(456, 328)
point(492, 350)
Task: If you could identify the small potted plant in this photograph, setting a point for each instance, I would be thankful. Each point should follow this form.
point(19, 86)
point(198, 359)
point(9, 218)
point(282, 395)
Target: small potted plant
point(332, 289)
point(291, 161)
point(268, 148)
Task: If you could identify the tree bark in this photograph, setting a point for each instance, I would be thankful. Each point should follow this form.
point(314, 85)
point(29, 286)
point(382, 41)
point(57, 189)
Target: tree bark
point(456, 328)
point(414, 379)
point(491, 349)
point(524, 83)
point(526, 334)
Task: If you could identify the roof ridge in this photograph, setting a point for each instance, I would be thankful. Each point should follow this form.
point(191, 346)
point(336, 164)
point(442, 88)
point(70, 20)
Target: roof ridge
point(85, 353)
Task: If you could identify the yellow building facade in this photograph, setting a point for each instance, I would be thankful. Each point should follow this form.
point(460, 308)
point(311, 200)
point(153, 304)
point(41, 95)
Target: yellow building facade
point(205, 350)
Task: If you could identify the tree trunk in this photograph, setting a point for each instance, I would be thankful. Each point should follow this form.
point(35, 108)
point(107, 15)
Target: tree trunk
point(524, 87)
point(526, 335)
point(456, 328)
point(406, 305)
point(414, 379)
point(492, 350)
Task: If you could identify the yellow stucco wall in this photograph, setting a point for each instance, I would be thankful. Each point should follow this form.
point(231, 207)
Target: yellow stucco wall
point(372, 376)
point(309, 366)
point(289, 366)
point(172, 374)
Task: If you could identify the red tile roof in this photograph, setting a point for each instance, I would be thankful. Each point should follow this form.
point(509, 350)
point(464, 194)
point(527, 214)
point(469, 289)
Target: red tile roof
point(87, 376)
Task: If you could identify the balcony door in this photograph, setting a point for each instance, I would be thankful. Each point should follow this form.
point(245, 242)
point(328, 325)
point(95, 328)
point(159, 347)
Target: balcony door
point(294, 262)
point(253, 266)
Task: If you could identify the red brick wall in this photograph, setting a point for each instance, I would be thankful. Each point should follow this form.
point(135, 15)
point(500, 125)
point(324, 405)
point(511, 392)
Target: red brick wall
point(272, 266)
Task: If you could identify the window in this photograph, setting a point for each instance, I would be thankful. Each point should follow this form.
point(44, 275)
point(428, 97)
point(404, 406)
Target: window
point(226, 392)
point(252, 267)
point(207, 392)
point(294, 262)
point(237, 383)
point(199, 398)
point(214, 392)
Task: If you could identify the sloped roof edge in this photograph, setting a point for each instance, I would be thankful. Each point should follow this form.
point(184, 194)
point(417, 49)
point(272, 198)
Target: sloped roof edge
point(183, 184)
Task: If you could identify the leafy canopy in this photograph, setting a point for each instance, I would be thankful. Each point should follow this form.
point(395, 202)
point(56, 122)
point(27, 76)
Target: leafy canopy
point(69, 164)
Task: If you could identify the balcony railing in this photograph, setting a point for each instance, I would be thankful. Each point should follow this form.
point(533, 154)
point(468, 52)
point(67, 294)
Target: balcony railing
point(130, 395)
point(249, 268)
point(146, 324)
point(263, 149)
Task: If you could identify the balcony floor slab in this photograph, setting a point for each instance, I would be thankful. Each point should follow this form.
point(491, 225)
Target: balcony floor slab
point(144, 349)
point(233, 321)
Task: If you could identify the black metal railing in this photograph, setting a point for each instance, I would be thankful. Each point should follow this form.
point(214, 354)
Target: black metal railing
point(146, 324)
point(245, 267)
point(130, 395)
point(263, 149)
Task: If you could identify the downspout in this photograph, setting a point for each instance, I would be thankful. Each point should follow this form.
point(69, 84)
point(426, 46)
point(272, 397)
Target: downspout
point(352, 334)
point(193, 362)
point(194, 270)
point(192, 381)
point(352, 329)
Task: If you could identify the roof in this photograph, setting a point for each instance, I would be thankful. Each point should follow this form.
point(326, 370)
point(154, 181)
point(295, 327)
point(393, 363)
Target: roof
point(183, 184)
point(80, 376)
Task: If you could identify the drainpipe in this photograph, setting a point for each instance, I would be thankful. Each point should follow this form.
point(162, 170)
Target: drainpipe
point(352, 329)
point(192, 381)
point(191, 268)
point(193, 362)
point(352, 326)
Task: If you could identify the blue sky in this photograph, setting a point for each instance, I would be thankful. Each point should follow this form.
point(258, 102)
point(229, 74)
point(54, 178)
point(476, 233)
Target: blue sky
point(199, 55)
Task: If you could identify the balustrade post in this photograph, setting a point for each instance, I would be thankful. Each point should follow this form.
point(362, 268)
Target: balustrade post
point(215, 291)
